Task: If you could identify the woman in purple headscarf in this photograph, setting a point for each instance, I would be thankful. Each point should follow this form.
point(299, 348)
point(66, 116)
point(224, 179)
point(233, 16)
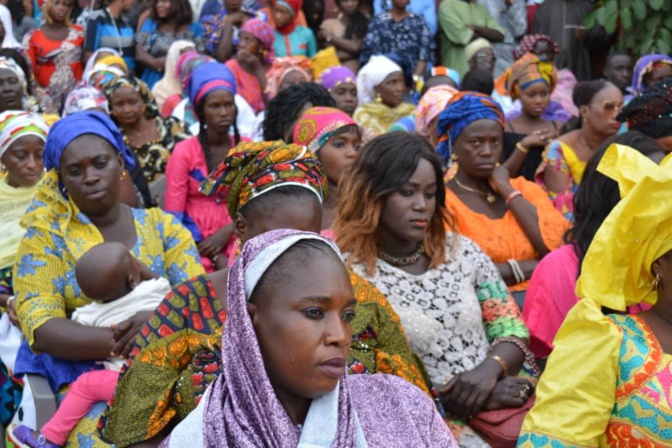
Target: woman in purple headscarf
point(650, 69)
point(284, 353)
point(340, 81)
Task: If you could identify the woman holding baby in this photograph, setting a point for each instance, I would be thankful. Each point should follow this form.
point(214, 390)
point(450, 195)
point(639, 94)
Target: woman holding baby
point(77, 207)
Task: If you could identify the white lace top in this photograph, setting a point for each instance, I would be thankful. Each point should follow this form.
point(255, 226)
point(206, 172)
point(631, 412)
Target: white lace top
point(453, 312)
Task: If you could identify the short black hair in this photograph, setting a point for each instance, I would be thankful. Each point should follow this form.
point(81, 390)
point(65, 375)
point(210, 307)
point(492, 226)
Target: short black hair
point(277, 197)
point(283, 110)
point(478, 80)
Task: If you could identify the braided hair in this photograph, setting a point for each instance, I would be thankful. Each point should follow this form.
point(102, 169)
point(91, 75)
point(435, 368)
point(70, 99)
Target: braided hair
point(203, 134)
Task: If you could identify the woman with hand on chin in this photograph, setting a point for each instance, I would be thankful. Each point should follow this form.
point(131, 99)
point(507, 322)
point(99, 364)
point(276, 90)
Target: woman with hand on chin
point(211, 89)
point(76, 207)
point(453, 304)
point(291, 306)
point(512, 220)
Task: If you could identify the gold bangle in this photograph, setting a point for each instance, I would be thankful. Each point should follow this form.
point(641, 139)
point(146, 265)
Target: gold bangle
point(521, 148)
point(501, 362)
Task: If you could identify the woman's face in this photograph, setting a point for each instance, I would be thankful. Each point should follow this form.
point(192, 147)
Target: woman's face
point(345, 96)
point(281, 15)
point(219, 111)
point(392, 89)
point(601, 113)
point(658, 74)
point(544, 51)
point(60, 10)
point(23, 161)
point(290, 79)
point(478, 148)
point(91, 171)
point(535, 99)
point(407, 212)
point(304, 328)
point(163, 8)
point(126, 106)
point(249, 44)
point(400, 4)
point(348, 7)
point(11, 91)
point(286, 214)
point(339, 153)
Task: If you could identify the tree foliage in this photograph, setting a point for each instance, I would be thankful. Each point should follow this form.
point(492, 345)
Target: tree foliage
point(644, 26)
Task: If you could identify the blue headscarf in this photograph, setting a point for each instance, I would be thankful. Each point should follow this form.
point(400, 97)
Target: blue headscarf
point(462, 110)
point(209, 77)
point(69, 128)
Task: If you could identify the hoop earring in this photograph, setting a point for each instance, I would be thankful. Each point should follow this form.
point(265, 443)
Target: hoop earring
point(656, 282)
point(379, 98)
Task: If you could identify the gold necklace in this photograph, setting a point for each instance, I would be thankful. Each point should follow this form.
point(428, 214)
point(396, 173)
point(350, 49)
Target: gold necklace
point(489, 196)
point(402, 261)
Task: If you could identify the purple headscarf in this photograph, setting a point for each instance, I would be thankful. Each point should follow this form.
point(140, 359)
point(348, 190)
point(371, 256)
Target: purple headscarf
point(334, 76)
point(242, 408)
point(644, 66)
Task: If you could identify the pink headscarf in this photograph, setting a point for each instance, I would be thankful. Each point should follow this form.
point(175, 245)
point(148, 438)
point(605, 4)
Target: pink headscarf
point(266, 35)
point(432, 103)
point(317, 125)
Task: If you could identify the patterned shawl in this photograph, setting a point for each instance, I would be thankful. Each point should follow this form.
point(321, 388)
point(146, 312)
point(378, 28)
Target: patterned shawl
point(252, 169)
point(432, 103)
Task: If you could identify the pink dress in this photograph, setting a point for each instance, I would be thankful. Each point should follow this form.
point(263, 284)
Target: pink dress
point(550, 296)
point(202, 215)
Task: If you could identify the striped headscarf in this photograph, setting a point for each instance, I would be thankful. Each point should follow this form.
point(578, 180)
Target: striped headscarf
point(85, 98)
point(529, 70)
point(318, 124)
point(15, 124)
point(151, 108)
point(462, 110)
point(252, 169)
point(264, 33)
point(207, 78)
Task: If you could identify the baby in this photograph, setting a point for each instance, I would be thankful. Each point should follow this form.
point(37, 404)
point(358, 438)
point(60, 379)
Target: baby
point(120, 286)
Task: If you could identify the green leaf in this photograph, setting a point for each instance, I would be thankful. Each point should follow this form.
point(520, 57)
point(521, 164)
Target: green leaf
point(626, 19)
point(611, 13)
point(665, 41)
point(653, 22)
point(656, 4)
point(589, 22)
point(639, 8)
point(631, 40)
point(668, 22)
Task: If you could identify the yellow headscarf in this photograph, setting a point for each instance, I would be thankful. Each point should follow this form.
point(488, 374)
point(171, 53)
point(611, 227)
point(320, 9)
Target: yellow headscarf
point(112, 60)
point(616, 271)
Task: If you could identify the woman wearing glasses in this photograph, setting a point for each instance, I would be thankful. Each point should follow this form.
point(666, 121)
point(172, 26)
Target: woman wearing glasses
point(565, 158)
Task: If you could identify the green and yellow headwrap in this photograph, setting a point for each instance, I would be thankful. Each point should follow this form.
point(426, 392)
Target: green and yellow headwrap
point(252, 169)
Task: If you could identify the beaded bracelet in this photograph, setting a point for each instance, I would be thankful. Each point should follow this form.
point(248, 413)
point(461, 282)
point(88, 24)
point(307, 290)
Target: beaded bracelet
point(514, 194)
point(529, 357)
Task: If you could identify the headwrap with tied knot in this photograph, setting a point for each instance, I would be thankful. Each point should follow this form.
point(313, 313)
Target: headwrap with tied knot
point(529, 70)
point(252, 169)
point(15, 124)
point(462, 110)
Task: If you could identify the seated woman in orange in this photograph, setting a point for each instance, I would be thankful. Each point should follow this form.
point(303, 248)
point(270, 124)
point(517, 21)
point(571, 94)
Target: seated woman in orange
point(513, 220)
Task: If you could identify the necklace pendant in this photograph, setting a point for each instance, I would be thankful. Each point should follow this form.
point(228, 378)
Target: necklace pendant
point(491, 198)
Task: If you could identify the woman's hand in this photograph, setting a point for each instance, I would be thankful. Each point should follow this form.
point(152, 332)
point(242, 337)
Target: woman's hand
point(11, 311)
point(510, 392)
point(539, 138)
point(250, 61)
point(124, 333)
point(213, 245)
point(465, 395)
point(500, 181)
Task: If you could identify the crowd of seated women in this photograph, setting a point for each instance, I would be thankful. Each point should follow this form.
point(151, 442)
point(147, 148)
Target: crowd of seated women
point(348, 245)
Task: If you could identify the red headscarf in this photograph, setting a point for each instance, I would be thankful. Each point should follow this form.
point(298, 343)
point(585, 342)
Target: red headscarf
point(294, 7)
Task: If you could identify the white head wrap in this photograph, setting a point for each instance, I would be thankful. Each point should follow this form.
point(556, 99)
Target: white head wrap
point(373, 73)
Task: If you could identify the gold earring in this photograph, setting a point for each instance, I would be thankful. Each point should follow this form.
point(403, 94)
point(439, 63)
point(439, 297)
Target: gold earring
point(656, 282)
point(453, 157)
point(379, 99)
point(123, 175)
